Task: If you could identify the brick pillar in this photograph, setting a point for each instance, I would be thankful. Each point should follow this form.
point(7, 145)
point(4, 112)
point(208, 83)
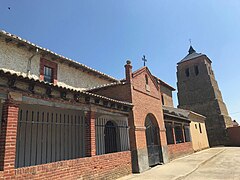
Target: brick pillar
point(183, 133)
point(90, 138)
point(8, 137)
point(173, 131)
point(128, 72)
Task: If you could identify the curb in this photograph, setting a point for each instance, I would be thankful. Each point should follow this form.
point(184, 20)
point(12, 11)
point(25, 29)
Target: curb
point(199, 165)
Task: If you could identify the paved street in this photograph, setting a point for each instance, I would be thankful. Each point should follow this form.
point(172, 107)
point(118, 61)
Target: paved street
point(215, 163)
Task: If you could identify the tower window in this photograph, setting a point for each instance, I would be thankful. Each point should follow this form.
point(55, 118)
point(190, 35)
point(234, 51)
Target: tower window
point(210, 70)
point(187, 72)
point(196, 70)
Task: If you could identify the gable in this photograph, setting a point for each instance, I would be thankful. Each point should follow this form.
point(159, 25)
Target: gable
point(144, 82)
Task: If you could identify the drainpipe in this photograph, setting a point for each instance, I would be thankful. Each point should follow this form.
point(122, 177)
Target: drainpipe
point(30, 62)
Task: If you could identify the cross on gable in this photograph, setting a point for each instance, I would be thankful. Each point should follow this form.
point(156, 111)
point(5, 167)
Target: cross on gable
point(144, 60)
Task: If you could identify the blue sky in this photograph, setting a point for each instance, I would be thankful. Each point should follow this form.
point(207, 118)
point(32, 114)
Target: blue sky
point(103, 34)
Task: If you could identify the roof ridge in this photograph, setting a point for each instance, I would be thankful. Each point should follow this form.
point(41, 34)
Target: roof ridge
point(60, 56)
point(105, 85)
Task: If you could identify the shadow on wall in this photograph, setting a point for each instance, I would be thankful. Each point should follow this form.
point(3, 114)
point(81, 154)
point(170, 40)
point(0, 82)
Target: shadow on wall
point(234, 136)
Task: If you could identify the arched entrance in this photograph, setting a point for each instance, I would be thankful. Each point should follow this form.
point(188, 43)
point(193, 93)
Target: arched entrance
point(110, 137)
point(153, 141)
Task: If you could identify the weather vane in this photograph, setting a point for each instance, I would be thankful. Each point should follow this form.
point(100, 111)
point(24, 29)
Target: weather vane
point(144, 60)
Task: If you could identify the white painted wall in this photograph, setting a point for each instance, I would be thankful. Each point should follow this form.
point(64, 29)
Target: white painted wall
point(16, 59)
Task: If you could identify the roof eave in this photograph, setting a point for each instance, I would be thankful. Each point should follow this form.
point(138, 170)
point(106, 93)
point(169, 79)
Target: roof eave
point(58, 56)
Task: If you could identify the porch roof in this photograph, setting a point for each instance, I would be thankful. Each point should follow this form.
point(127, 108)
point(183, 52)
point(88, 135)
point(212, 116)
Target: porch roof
point(20, 76)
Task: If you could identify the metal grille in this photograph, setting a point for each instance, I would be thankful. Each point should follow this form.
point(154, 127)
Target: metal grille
point(48, 134)
point(111, 136)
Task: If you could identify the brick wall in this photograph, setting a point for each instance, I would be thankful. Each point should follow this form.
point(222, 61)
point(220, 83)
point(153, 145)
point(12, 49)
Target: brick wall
point(108, 166)
point(234, 136)
point(8, 138)
point(178, 150)
point(147, 101)
point(146, 98)
point(119, 92)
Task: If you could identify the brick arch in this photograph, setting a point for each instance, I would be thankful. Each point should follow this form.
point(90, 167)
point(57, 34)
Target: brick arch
point(153, 118)
point(153, 140)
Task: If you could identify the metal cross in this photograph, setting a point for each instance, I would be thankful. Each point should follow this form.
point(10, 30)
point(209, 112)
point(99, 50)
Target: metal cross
point(144, 60)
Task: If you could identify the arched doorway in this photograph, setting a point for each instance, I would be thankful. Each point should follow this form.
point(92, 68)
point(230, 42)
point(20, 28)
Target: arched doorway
point(153, 141)
point(110, 137)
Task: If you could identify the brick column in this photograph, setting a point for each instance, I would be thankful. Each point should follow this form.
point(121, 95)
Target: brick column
point(183, 134)
point(90, 137)
point(8, 137)
point(173, 131)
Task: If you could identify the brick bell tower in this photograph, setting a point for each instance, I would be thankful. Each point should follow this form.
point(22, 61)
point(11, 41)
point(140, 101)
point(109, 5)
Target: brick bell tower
point(198, 91)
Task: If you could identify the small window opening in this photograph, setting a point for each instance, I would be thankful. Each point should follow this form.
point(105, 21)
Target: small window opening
point(146, 79)
point(178, 134)
point(187, 72)
point(210, 70)
point(48, 74)
point(196, 70)
point(200, 128)
point(195, 126)
point(162, 99)
point(187, 133)
point(169, 133)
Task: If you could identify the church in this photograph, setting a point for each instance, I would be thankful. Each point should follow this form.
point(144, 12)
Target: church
point(63, 120)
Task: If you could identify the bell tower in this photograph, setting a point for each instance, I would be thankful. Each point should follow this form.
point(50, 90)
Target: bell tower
point(198, 91)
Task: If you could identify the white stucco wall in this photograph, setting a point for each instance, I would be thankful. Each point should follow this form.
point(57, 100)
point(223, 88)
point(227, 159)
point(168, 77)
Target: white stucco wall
point(16, 59)
point(76, 78)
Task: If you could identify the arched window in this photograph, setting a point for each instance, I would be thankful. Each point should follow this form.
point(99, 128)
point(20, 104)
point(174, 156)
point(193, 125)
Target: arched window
point(110, 137)
point(146, 79)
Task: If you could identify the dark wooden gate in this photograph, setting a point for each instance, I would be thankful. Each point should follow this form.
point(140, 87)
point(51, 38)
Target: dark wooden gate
point(153, 143)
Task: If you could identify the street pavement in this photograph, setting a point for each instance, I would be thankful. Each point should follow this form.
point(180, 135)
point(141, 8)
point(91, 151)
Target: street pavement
point(221, 163)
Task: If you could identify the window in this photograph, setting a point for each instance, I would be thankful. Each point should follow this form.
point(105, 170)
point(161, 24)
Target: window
point(162, 99)
point(195, 126)
point(200, 128)
point(48, 74)
point(48, 71)
point(187, 133)
point(178, 134)
point(146, 79)
point(169, 133)
point(196, 70)
point(209, 69)
point(187, 72)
